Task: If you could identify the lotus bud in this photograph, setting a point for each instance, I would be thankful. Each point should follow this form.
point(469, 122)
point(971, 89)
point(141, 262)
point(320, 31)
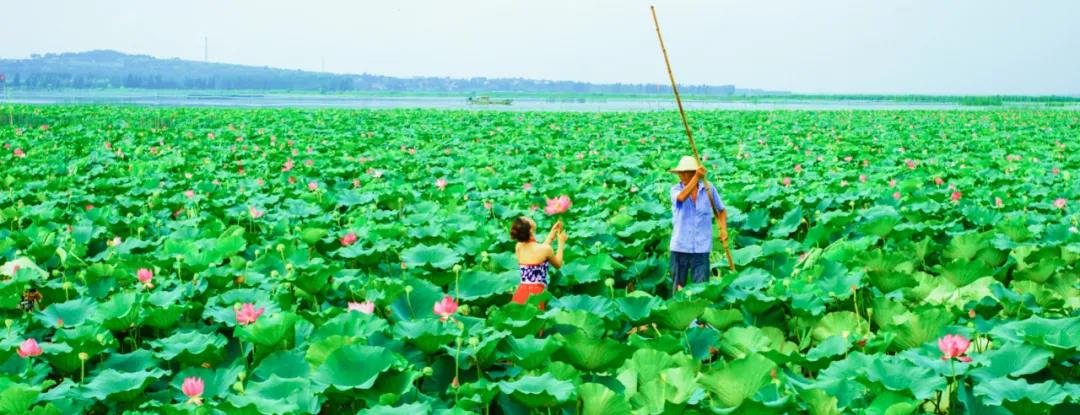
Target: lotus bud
point(101, 339)
point(274, 274)
point(473, 341)
point(141, 229)
point(609, 282)
point(280, 248)
point(428, 371)
point(242, 375)
point(8, 323)
point(238, 387)
point(457, 268)
point(408, 289)
point(463, 309)
point(288, 266)
point(83, 356)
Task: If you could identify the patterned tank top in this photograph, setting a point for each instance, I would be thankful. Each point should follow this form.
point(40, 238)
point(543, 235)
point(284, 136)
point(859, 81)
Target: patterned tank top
point(534, 273)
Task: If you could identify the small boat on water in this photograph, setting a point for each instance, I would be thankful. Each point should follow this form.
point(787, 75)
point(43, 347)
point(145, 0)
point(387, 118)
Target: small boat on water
point(486, 100)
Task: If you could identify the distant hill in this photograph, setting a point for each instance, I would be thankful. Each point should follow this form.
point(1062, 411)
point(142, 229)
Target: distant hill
point(112, 69)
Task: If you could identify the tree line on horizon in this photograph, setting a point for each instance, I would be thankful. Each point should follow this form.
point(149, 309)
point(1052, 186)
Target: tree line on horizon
point(111, 69)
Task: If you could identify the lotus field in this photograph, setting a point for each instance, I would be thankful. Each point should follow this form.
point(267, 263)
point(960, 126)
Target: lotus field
point(330, 261)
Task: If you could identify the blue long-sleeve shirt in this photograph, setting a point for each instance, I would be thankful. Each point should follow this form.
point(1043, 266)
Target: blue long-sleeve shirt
point(692, 230)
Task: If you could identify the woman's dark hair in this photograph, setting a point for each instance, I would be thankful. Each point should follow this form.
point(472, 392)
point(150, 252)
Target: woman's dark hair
point(521, 230)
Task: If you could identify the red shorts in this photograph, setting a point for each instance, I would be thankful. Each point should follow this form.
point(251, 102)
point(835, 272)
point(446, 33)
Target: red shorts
point(524, 291)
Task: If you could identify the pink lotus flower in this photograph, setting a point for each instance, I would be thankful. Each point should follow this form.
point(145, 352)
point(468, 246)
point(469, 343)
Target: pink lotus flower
point(1055, 170)
point(445, 308)
point(892, 182)
point(193, 389)
point(487, 205)
point(144, 275)
point(247, 314)
point(633, 189)
point(376, 174)
point(348, 239)
point(412, 151)
point(938, 181)
point(798, 168)
point(862, 178)
point(557, 205)
point(89, 206)
point(366, 307)
point(910, 164)
point(312, 186)
point(356, 182)
point(526, 186)
point(848, 158)
point(19, 153)
point(254, 212)
point(955, 196)
point(997, 202)
point(1060, 203)
point(896, 195)
point(440, 183)
point(288, 165)
point(786, 181)
point(29, 348)
point(108, 145)
point(309, 162)
point(210, 135)
point(310, 150)
point(953, 346)
point(259, 181)
point(580, 156)
point(190, 194)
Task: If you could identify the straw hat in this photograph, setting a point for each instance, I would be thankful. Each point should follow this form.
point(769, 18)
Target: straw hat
point(687, 163)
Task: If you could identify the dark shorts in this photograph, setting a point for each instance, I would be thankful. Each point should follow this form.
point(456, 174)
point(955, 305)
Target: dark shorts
point(697, 265)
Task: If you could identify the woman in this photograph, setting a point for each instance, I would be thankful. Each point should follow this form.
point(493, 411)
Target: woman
point(533, 257)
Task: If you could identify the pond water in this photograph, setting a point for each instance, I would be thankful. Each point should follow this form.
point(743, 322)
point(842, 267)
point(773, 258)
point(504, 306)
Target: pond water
point(177, 99)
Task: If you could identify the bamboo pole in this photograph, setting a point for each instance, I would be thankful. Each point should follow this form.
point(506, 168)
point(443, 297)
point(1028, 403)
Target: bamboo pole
point(689, 135)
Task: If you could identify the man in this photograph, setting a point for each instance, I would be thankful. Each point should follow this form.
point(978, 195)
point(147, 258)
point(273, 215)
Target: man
point(691, 218)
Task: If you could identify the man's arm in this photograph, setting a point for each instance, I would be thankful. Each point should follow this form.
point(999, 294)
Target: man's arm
point(722, 221)
point(691, 186)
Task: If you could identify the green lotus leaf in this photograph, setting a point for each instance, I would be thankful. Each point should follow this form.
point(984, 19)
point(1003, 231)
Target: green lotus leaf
point(589, 353)
point(898, 375)
point(832, 346)
point(119, 386)
point(638, 305)
point(597, 399)
point(738, 380)
point(16, 398)
point(530, 352)
point(269, 329)
point(481, 284)
point(1018, 393)
point(122, 311)
point(428, 334)
point(190, 346)
point(283, 364)
point(599, 306)
point(438, 256)
point(543, 391)
point(354, 367)
point(1010, 360)
point(677, 314)
point(412, 408)
point(72, 313)
point(279, 396)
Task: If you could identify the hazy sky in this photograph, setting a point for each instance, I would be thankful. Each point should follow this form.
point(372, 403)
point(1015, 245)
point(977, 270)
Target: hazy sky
point(923, 46)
